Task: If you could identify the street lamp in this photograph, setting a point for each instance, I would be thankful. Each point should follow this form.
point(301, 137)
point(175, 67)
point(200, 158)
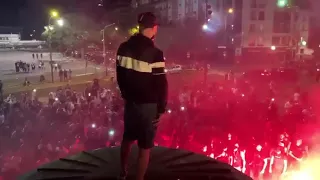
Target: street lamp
point(282, 3)
point(53, 14)
point(226, 14)
point(104, 42)
point(116, 28)
point(273, 48)
point(60, 22)
point(205, 27)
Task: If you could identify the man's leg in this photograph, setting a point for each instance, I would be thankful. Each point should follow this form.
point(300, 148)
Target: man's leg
point(146, 137)
point(125, 152)
point(129, 136)
point(143, 162)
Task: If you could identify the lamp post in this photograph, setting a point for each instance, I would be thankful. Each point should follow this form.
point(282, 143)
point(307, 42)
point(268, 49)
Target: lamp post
point(53, 14)
point(104, 43)
point(230, 11)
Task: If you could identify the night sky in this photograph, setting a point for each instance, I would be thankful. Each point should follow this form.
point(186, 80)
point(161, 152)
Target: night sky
point(32, 14)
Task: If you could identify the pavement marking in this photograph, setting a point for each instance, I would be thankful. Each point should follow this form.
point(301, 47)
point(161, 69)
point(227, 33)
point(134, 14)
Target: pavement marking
point(85, 74)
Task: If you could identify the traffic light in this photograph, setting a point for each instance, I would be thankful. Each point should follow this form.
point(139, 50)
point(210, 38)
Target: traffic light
point(208, 10)
point(282, 3)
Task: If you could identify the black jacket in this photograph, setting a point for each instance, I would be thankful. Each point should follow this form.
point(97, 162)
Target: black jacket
point(140, 72)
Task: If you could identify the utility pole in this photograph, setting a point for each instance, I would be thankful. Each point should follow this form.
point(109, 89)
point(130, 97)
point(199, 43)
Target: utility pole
point(104, 44)
point(50, 48)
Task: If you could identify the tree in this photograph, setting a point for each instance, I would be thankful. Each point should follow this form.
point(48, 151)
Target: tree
point(77, 31)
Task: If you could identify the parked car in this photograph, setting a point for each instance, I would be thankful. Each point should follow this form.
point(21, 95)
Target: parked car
point(174, 69)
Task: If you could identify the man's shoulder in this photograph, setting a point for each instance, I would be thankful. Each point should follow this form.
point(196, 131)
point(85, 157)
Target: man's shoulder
point(122, 46)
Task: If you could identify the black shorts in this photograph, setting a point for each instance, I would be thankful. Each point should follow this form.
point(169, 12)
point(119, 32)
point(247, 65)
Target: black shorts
point(140, 123)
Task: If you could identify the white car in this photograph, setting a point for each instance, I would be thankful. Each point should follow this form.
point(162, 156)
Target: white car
point(176, 68)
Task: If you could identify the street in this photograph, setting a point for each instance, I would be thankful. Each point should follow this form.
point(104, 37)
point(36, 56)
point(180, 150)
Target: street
point(12, 79)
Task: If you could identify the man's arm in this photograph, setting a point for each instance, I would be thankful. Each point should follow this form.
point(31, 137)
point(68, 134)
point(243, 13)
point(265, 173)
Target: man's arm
point(120, 75)
point(161, 82)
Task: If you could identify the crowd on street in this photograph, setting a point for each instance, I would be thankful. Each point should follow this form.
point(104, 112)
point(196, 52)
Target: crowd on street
point(236, 121)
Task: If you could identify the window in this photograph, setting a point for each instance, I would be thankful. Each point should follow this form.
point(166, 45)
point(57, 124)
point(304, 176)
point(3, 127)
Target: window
point(275, 40)
point(253, 3)
point(261, 28)
point(261, 16)
point(294, 27)
point(304, 19)
point(253, 15)
point(262, 5)
point(294, 42)
point(260, 41)
point(295, 17)
point(252, 41)
point(304, 27)
point(285, 41)
point(252, 28)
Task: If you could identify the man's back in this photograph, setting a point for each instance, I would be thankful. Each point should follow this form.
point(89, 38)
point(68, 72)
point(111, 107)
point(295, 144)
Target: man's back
point(140, 71)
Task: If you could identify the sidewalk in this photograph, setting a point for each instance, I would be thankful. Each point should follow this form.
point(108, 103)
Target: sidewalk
point(16, 79)
point(84, 79)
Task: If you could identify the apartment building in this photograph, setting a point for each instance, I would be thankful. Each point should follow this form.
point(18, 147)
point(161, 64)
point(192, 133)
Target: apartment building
point(265, 25)
point(179, 10)
point(172, 11)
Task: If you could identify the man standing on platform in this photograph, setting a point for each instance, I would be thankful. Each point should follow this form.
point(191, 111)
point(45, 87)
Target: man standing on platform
point(143, 85)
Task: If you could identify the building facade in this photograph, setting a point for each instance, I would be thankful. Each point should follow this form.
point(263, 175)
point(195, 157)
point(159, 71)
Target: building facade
point(9, 38)
point(252, 23)
point(264, 24)
point(179, 10)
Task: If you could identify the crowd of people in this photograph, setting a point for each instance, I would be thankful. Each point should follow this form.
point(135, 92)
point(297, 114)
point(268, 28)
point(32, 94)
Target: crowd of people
point(233, 121)
point(33, 133)
point(21, 66)
point(240, 125)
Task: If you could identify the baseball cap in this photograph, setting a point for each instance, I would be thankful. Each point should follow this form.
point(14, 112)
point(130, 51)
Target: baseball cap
point(147, 20)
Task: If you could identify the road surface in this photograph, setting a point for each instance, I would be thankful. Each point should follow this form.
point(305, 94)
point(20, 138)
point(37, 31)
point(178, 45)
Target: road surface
point(10, 78)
